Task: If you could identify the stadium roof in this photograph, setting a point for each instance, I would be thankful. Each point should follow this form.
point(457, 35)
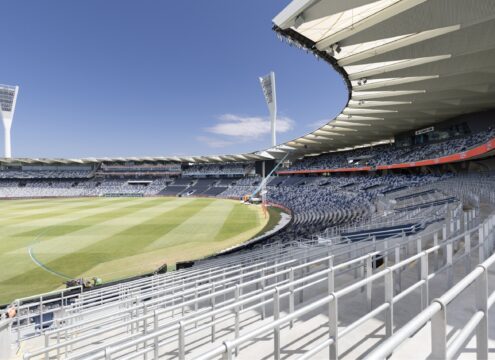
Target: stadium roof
point(407, 64)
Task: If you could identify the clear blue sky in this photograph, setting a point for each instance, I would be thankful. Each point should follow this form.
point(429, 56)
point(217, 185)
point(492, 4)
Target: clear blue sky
point(151, 77)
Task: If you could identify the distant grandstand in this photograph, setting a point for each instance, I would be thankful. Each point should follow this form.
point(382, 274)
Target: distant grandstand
point(381, 233)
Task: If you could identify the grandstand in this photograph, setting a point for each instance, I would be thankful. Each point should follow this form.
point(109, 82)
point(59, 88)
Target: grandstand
point(385, 247)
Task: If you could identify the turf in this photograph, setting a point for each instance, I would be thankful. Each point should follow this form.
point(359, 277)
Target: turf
point(112, 237)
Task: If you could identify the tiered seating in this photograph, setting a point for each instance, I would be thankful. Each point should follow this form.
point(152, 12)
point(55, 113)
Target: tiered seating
point(46, 174)
point(140, 169)
point(173, 190)
point(391, 154)
point(223, 169)
point(214, 191)
point(296, 300)
point(201, 186)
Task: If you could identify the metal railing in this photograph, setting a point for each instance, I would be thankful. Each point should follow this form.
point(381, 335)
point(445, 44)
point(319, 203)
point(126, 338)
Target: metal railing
point(436, 314)
point(148, 328)
point(197, 298)
point(150, 340)
point(228, 349)
point(73, 303)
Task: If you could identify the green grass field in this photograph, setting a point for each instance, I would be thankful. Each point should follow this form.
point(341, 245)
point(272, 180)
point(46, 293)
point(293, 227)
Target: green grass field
point(112, 237)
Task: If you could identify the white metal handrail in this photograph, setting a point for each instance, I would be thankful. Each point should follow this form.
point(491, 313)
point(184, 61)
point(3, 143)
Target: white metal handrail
point(228, 347)
point(116, 348)
point(436, 314)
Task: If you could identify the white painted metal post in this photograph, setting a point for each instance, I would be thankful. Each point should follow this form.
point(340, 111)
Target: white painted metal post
point(276, 330)
point(155, 339)
point(291, 295)
point(333, 327)
point(182, 345)
point(418, 250)
point(389, 296)
point(482, 305)
point(237, 325)
point(369, 272)
point(435, 253)
point(481, 242)
point(486, 228)
point(467, 251)
point(424, 277)
point(263, 308)
point(385, 256)
point(213, 306)
point(439, 334)
point(398, 280)
point(331, 277)
point(450, 267)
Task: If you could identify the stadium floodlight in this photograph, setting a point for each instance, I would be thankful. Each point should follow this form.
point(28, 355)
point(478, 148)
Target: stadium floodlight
point(8, 97)
point(268, 85)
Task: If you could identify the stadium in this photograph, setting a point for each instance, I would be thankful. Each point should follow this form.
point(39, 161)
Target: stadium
point(372, 236)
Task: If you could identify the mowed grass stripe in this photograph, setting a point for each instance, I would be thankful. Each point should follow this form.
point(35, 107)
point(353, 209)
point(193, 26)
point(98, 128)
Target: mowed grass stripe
point(17, 262)
point(119, 246)
point(59, 227)
point(237, 222)
point(183, 250)
point(202, 225)
point(12, 214)
point(25, 203)
point(64, 228)
point(63, 214)
point(127, 242)
point(65, 210)
point(15, 206)
point(66, 204)
point(54, 205)
point(113, 223)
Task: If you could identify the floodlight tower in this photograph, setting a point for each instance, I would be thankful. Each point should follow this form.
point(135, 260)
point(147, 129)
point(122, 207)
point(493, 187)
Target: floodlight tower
point(268, 86)
point(8, 97)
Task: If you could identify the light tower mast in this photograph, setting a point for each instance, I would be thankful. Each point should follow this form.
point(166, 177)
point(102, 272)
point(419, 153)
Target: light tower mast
point(8, 97)
point(269, 90)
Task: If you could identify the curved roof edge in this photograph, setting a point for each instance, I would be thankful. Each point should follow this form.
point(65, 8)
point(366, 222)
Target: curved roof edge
point(309, 46)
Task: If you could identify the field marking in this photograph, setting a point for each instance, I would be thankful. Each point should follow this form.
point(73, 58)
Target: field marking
point(40, 264)
point(96, 232)
point(44, 267)
point(88, 236)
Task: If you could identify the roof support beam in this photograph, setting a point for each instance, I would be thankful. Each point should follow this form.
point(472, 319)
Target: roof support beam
point(320, 132)
point(364, 111)
point(397, 44)
point(348, 123)
point(364, 95)
point(359, 103)
point(368, 22)
point(395, 66)
point(391, 82)
point(350, 117)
